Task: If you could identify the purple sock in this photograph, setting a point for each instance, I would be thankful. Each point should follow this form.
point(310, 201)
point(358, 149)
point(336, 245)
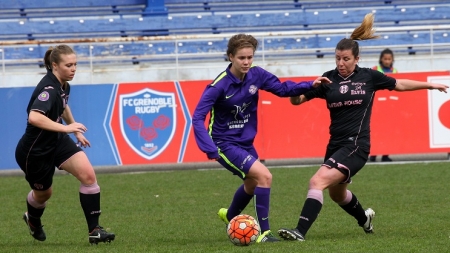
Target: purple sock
point(262, 201)
point(240, 201)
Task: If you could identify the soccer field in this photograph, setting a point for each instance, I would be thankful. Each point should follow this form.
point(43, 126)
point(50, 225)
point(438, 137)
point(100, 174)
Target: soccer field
point(176, 212)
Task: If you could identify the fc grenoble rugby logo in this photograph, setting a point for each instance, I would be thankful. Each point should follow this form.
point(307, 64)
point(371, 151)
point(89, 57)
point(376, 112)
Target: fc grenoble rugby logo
point(147, 121)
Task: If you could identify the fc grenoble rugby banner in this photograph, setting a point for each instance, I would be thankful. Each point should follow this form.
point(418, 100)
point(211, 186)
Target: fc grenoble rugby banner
point(150, 122)
point(146, 123)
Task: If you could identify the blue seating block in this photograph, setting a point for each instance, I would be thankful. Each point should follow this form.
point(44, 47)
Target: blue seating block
point(18, 23)
point(122, 26)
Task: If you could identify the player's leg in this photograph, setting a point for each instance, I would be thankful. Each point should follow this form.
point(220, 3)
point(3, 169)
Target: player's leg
point(73, 160)
point(241, 198)
point(36, 203)
point(350, 203)
point(237, 161)
point(324, 178)
point(39, 174)
point(327, 175)
point(257, 181)
point(345, 198)
point(261, 174)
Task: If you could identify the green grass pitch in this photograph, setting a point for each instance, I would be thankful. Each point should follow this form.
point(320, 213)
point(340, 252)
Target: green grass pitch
point(176, 212)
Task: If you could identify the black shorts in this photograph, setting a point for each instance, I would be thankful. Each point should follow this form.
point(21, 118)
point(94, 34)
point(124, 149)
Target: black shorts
point(39, 170)
point(348, 159)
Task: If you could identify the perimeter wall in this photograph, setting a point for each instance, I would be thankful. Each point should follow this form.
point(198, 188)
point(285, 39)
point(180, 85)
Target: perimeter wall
point(150, 122)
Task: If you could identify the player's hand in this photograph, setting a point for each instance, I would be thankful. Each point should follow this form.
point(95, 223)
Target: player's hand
point(321, 80)
point(82, 141)
point(213, 156)
point(295, 100)
point(440, 87)
point(76, 128)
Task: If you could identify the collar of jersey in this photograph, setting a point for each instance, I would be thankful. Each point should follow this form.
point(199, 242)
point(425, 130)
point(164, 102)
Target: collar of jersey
point(356, 70)
point(247, 77)
point(55, 80)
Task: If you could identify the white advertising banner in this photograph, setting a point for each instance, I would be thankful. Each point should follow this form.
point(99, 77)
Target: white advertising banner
point(439, 114)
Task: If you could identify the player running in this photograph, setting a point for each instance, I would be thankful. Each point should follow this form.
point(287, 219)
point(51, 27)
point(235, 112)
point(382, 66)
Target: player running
point(46, 145)
point(232, 102)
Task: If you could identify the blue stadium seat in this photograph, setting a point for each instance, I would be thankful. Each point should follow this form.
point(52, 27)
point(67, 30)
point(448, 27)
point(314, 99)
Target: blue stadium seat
point(65, 9)
point(30, 20)
point(278, 45)
point(216, 23)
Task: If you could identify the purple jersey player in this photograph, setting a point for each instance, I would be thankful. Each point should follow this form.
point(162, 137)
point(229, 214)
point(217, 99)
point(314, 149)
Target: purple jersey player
point(232, 102)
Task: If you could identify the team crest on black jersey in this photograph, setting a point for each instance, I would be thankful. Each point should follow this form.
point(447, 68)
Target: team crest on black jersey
point(343, 89)
point(147, 121)
point(44, 96)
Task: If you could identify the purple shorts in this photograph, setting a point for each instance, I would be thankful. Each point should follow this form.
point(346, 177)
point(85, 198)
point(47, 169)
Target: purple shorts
point(236, 159)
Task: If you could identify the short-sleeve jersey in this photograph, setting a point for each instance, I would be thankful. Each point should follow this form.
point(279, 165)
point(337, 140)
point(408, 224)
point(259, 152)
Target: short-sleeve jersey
point(350, 100)
point(232, 104)
point(50, 99)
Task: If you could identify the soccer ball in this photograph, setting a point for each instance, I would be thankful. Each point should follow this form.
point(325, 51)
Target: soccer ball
point(243, 230)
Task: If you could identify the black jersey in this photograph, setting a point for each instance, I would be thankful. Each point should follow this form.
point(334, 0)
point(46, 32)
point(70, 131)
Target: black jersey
point(50, 99)
point(350, 101)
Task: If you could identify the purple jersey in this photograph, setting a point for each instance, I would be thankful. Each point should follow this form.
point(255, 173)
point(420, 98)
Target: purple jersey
point(233, 104)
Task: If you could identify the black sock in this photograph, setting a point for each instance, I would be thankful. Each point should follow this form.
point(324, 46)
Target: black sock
point(310, 211)
point(91, 207)
point(34, 215)
point(355, 209)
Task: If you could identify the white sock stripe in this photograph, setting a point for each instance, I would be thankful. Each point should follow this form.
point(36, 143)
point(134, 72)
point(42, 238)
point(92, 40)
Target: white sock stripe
point(90, 189)
point(33, 202)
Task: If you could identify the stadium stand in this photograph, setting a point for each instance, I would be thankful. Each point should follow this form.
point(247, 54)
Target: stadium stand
point(408, 43)
point(66, 9)
point(186, 6)
point(28, 21)
point(108, 19)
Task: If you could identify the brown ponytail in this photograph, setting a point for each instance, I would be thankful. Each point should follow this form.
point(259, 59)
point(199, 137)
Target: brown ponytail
point(53, 54)
point(364, 31)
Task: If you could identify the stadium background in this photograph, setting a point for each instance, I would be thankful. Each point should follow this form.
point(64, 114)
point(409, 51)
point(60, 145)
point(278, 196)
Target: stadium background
point(170, 50)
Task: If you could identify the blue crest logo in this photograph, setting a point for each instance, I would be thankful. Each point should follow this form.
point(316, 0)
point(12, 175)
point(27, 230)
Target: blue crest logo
point(147, 121)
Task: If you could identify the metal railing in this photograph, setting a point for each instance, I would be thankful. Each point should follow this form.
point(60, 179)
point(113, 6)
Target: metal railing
point(177, 58)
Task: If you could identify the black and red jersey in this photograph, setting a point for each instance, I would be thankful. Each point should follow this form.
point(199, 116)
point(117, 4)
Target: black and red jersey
point(49, 98)
point(350, 100)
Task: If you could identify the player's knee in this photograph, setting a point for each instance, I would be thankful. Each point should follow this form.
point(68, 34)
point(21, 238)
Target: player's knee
point(317, 183)
point(88, 178)
point(42, 196)
point(265, 179)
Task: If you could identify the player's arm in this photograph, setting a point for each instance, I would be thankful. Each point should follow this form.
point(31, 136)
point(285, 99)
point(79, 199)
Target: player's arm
point(202, 137)
point(67, 116)
point(298, 100)
point(410, 85)
point(318, 92)
point(70, 120)
point(37, 119)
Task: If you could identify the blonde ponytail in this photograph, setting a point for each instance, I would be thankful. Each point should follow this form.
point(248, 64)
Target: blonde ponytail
point(365, 31)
